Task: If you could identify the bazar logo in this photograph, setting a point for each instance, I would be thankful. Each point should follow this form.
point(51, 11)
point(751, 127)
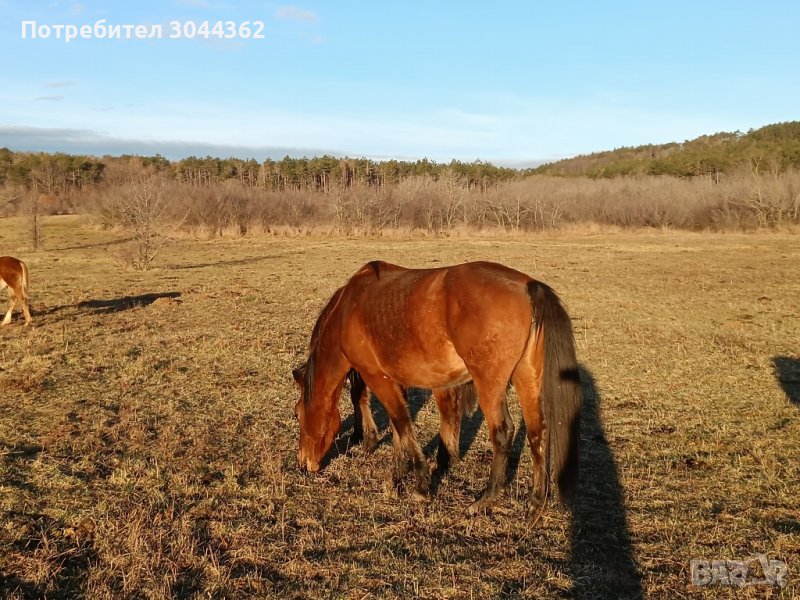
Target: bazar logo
point(757, 570)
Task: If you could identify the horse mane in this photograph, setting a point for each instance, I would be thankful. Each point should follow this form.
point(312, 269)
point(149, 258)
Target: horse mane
point(323, 317)
point(308, 368)
point(308, 378)
point(376, 266)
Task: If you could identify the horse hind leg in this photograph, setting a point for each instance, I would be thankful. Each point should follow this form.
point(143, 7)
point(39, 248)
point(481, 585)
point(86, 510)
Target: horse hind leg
point(449, 429)
point(26, 311)
point(492, 400)
point(527, 383)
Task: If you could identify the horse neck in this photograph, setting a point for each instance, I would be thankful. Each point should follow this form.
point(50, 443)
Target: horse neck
point(323, 317)
point(327, 363)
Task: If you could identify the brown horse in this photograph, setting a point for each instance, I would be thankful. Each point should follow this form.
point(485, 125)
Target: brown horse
point(14, 275)
point(439, 329)
point(451, 404)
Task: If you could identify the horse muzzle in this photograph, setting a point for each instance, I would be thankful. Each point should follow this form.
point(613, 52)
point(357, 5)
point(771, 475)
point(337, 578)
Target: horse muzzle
point(306, 464)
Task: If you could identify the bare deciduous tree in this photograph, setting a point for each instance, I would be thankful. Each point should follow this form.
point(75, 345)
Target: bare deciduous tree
point(143, 208)
point(34, 217)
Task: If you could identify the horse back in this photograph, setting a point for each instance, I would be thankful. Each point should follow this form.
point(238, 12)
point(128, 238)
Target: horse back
point(422, 327)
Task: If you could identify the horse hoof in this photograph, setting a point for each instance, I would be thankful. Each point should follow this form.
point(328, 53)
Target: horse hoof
point(391, 490)
point(478, 507)
point(535, 510)
point(369, 443)
point(420, 496)
point(444, 464)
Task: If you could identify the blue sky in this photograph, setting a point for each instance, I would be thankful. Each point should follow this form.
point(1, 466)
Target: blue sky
point(509, 82)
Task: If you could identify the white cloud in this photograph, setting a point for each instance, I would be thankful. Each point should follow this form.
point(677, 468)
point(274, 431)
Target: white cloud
point(293, 13)
point(87, 141)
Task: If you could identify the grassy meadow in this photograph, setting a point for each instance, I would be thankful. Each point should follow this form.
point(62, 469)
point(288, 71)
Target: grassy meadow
point(147, 439)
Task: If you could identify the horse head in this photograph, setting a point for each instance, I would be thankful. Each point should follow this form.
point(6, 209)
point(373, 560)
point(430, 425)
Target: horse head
point(318, 417)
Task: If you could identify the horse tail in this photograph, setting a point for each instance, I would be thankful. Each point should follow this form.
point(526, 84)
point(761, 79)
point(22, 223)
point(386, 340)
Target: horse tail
point(24, 282)
point(354, 377)
point(357, 386)
point(467, 398)
point(561, 393)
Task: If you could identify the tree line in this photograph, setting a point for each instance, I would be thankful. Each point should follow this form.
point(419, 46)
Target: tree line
point(63, 173)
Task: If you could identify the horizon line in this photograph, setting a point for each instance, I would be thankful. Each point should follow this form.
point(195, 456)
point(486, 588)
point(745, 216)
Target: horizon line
point(87, 142)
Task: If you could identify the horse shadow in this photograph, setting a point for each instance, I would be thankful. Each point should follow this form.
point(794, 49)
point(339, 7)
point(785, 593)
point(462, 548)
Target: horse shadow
point(123, 303)
point(787, 372)
point(602, 563)
point(110, 305)
point(227, 263)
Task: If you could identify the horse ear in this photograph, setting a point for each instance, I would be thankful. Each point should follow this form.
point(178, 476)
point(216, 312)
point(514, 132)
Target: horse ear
point(298, 376)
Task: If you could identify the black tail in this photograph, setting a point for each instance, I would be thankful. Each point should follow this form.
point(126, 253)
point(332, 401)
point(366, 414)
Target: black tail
point(561, 387)
point(356, 382)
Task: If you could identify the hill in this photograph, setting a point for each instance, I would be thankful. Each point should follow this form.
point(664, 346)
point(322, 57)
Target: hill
point(773, 148)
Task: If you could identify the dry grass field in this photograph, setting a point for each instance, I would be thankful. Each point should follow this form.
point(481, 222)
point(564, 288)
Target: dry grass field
point(147, 440)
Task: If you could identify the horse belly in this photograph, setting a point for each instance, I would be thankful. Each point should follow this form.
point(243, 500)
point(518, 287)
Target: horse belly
point(434, 365)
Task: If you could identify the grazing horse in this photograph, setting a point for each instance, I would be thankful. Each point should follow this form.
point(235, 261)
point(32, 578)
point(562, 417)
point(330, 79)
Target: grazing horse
point(451, 404)
point(14, 275)
point(441, 328)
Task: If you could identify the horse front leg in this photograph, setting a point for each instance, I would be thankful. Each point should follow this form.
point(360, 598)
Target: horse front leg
point(364, 427)
point(11, 305)
point(409, 454)
point(449, 429)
